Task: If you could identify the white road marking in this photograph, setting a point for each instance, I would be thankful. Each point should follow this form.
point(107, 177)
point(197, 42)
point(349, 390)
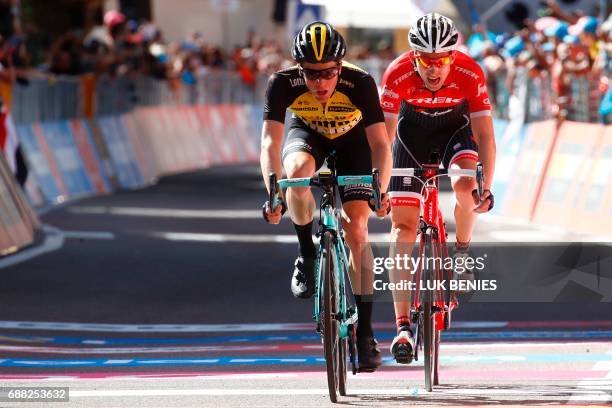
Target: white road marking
point(133, 350)
point(166, 212)
point(195, 328)
point(599, 389)
point(586, 396)
point(246, 238)
point(524, 236)
point(603, 366)
point(88, 234)
point(54, 240)
point(153, 328)
point(169, 212)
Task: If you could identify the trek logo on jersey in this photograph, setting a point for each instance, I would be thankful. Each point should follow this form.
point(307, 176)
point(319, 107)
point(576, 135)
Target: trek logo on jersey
point(482, 89)
point(433, 101)
point(389, 93)
point(467, 72)
point(297, 82)
point(409, 201)
point(403, 77)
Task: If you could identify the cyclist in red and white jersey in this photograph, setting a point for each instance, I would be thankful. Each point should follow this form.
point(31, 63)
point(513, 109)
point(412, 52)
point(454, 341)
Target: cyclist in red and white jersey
point(434, 98)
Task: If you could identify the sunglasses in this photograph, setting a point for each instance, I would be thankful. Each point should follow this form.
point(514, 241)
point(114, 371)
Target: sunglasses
point(427, 62)
point(314, 74)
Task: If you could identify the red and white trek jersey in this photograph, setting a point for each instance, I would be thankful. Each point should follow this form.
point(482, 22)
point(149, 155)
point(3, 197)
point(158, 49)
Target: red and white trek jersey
point(465, 82)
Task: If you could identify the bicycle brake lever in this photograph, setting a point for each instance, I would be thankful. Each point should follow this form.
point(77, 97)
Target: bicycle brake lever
point(376, 189)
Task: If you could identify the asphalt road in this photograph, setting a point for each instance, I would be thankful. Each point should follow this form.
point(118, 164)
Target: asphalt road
point(178, 295)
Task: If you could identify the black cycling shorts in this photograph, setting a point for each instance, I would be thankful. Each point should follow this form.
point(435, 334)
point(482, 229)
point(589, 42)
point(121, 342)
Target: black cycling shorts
point(352, 152)
point(413, 146)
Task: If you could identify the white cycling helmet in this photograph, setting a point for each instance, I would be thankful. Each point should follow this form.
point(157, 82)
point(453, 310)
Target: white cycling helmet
point(433, 33)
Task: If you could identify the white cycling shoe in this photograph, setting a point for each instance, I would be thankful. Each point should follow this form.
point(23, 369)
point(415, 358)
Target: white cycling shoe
point(402, 347)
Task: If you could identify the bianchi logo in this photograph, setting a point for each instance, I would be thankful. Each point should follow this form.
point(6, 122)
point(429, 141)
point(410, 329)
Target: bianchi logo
point(434, 114)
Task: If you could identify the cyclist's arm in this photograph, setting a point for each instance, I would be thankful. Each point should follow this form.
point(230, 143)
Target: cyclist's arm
point(381, 152)
point(391, 125)
point(272, 136)
point(482, 128)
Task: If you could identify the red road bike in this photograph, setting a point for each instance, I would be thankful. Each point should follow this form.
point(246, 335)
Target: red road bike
point(431, 309)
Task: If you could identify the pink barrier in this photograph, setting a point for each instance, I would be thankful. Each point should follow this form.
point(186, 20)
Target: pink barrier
point(592, 212)
point(55, 171)
point(521, 197)
point(89, 156)
point(569, 168)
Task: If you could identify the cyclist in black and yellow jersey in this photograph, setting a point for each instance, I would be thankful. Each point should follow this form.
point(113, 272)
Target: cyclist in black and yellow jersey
point(335, 108)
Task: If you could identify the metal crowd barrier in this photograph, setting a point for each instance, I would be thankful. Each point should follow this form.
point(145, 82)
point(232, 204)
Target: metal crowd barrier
point(45, 99)
point(57, 98)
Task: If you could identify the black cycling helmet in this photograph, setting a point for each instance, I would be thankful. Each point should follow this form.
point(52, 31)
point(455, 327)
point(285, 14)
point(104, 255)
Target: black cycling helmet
point(318, 42)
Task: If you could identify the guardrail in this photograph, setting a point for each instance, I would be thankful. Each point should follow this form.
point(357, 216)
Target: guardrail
point(58, 98)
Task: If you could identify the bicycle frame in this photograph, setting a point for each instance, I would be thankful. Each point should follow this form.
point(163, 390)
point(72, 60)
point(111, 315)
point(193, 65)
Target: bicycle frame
point(432, 224)
point(431, 312)
point(330, 220)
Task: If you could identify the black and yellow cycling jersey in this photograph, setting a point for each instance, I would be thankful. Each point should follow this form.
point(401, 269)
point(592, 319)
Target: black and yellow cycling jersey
point(355, 100)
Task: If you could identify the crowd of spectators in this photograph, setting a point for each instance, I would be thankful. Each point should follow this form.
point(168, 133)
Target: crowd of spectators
point(555, 48)
point(557, 51)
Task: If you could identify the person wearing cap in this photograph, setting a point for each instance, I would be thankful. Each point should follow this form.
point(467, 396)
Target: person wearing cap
point(585, 30)
point(334, 108)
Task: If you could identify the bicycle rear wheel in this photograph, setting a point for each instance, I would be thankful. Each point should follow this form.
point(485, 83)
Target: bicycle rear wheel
point(436, 357)
point(332, 344)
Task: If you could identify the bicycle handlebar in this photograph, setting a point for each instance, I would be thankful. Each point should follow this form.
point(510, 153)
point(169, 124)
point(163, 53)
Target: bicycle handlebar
point(417, 172)
point(420, 172)
point(324, 179)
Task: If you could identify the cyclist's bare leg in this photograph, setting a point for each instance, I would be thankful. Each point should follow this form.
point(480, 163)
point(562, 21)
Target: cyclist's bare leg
point(300, 201)
point(465, 217)
point(355, 216)
point(404, 224)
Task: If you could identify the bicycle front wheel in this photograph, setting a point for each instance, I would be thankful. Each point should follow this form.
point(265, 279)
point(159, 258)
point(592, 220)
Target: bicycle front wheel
point(429, 323)
point(332, 344)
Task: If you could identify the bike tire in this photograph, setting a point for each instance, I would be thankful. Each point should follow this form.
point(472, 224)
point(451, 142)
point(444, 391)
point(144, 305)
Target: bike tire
point(331, 339)
point(342, 367)
point(429, 324)
point(436, 380)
